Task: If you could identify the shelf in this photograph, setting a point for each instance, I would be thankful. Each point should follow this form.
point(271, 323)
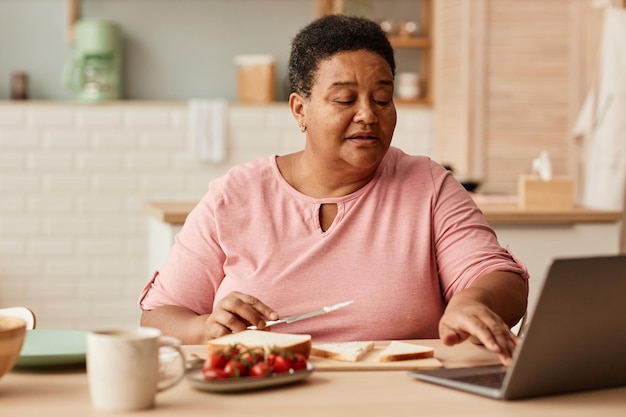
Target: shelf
point(410, 41)
point(422, 44)
point(420, 101)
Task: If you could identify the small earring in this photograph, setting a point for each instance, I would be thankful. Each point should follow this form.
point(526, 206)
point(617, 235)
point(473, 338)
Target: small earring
point(302, 128)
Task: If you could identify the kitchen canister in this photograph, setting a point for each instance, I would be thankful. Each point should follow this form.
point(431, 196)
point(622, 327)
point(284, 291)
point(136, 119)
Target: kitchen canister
point(19, 86)
point(407, 85)
point(255, 78)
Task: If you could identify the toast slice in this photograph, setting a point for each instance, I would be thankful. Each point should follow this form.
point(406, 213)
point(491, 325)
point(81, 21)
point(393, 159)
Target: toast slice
point(300, 343)
point(342, 351)
point(402, 351)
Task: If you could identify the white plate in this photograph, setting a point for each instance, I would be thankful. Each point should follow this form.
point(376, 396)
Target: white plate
point(49, 347)
point(195, 378)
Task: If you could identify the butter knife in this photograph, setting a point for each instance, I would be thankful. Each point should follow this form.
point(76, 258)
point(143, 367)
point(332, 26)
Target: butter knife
point(303, 316)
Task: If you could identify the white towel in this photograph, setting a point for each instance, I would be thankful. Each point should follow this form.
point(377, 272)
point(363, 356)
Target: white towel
point(208, 128)
point(605, 171)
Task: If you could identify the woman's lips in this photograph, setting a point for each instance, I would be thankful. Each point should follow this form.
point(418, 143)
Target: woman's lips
point(364, 134)
point(363, 138)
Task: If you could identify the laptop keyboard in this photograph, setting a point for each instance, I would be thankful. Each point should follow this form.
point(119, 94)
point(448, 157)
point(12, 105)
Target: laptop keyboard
point(491, 380)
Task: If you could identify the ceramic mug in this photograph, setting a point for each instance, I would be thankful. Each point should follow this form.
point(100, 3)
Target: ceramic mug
point(407, 85)
point(127, 367)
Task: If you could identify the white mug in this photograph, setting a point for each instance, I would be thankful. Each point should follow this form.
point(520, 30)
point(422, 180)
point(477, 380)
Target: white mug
point(127, 367)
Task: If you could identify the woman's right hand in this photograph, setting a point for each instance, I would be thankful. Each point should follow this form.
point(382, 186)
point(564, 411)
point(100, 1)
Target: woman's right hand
point(235, 312)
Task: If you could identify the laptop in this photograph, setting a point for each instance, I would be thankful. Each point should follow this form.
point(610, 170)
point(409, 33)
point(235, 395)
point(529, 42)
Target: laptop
point(574, 341)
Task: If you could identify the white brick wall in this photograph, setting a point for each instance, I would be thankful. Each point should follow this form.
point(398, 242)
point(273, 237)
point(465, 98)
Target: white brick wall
point(73, 180)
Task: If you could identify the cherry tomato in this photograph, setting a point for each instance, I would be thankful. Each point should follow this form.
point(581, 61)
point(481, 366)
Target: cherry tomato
point(299, 362)
point(234, 350)
point(234, 368)
point(213, 374)
point(215, 360)
point(260, 370)
point(282, 364)
point(251, 357)
point(271, 357)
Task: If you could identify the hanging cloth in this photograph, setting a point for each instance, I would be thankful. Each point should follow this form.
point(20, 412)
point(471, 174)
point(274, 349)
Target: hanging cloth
point(605, 164)
point(208, 128)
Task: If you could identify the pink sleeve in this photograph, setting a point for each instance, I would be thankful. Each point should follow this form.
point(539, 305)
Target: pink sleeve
point(466, 247)
point(193, 270)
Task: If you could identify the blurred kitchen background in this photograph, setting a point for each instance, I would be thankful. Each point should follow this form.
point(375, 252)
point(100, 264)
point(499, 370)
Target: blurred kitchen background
point(173, 50)
point(492, 84)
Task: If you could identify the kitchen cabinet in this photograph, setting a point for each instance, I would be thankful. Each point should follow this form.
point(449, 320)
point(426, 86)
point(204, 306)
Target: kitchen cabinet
point(420, 43)
point(511, 78)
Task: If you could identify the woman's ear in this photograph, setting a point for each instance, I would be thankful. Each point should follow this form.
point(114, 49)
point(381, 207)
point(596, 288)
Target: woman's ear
point(297, 105)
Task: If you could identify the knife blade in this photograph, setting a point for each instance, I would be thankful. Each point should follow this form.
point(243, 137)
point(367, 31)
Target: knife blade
point(303, 316)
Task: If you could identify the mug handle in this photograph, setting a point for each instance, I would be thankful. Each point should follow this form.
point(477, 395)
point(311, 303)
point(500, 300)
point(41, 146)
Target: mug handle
point(170, 346)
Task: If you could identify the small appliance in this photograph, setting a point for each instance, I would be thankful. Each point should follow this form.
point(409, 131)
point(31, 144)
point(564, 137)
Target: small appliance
point(94, 73)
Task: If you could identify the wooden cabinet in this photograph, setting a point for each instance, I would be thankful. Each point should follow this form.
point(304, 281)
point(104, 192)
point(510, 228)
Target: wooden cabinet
point(511, 76)
point(421, 44)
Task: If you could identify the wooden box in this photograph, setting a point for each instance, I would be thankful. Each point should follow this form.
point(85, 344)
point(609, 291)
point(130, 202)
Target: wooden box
point(537, 194)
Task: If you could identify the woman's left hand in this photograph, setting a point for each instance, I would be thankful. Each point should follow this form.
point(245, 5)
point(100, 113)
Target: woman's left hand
point(475, 321)
point(484, 312)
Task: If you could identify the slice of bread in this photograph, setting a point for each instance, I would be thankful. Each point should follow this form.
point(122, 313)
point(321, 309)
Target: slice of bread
point(342, 351)
point(300, 343)
point(402, 351)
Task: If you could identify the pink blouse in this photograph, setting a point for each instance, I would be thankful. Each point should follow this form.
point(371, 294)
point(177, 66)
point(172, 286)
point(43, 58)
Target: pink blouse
point(400, 247)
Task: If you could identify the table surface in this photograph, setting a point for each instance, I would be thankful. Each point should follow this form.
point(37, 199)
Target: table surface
point(325, 393)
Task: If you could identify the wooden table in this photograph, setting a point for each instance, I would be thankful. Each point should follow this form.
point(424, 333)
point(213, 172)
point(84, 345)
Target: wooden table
point(324, 393)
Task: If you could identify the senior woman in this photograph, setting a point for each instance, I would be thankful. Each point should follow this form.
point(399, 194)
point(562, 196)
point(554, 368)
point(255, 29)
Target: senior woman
point(347, 218)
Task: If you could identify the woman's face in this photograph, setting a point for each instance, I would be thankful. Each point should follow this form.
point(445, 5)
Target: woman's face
point(350, 116)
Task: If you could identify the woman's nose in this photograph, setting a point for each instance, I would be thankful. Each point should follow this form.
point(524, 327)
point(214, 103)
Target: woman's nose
point(366, 113)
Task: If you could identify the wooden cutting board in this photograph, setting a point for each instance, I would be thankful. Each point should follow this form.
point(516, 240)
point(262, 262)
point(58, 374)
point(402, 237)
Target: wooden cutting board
point(369, 363)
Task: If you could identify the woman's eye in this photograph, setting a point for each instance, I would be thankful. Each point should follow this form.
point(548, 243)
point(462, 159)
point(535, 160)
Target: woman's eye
point(382, 102)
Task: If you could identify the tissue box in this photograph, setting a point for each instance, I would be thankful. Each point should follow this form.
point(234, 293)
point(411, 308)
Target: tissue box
point(537, 194)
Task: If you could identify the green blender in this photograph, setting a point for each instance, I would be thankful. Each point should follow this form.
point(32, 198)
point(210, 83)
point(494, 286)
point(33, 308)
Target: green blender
point(94, 73)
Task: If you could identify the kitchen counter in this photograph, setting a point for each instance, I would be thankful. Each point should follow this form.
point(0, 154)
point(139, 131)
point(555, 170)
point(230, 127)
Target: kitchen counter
point(175, 213)
point(536, 237)
point(171, 212)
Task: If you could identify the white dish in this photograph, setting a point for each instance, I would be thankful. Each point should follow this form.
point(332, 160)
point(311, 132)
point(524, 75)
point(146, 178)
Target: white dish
point(50, 347)
point(195, 378)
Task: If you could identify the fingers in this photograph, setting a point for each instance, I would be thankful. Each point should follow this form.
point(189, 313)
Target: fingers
point(215, 330)
point(499, 340)
point(480, 325)
point(235, 312)
point(450, 337)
